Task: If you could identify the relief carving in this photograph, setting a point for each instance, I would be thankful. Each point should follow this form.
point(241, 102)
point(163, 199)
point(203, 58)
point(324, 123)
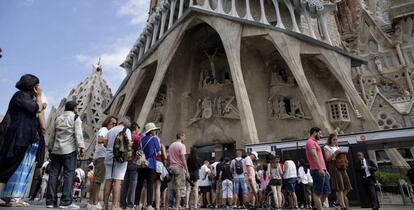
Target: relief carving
point(220, 107)
point(281, 108)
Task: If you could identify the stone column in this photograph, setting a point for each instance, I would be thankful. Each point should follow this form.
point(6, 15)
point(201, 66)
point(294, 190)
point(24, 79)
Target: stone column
point(396, 158)
point(279, 23)
point(166, 52)
point(289, 49)
point(230, 34)
point(340, 67)
point(172, 10)
point(372, 156)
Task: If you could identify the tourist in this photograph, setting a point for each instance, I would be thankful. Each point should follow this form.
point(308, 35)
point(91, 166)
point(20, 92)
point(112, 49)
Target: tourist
point(339, 177)
point(114, 170)
point(98, 161)
point(264, 177)
point(79, 177)
point(216, 189)
point(204, 184)
point(16, 186)
point(367, 168)
point(303, 180)
point(151, 147)
point(275, 182)
point(239, 180)
point(289, 180)
point(45, 178)
point(89, 181)
point(178, 166)
point(251, 176)
point(129, 184)
point(192, 183)
point(321, 187)
point(66, 138)
point(21, 118)
point(308, 187)
point(161, 158)
point(225, 177)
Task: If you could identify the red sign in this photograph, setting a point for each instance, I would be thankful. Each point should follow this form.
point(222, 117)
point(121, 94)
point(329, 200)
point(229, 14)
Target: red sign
point(363, 138)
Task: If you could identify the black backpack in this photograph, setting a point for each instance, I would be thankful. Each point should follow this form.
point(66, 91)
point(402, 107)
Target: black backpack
point(239, 166)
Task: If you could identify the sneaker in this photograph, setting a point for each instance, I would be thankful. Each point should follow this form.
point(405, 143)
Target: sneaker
point(89, 206)
point(71, 206)
point(98, 206)
point(50, 206)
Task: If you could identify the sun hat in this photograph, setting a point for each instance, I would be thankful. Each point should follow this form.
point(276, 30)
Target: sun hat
point(255, 154)
point(150, 127)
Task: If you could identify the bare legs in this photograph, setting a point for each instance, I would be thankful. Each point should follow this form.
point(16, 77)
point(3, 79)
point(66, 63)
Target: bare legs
point(277, 195)
point(318, 200)
point(195, 193)
point(157, 186)
point(113, 186)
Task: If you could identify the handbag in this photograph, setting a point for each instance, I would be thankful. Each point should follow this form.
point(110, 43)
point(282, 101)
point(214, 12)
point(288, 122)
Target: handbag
point(141, 160)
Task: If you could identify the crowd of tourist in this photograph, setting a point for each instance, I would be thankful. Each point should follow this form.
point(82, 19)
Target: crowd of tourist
point(139, 171)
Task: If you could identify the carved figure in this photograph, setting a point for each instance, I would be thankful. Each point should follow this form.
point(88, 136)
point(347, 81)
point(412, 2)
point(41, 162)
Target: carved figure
point(378, 64)
point(296, 109)
point(207, 108)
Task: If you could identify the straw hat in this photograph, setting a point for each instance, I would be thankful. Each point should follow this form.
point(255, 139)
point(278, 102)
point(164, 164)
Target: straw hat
point(150, 127)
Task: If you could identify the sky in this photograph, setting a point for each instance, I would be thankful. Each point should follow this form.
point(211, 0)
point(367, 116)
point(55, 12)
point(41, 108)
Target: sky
point(59, 40)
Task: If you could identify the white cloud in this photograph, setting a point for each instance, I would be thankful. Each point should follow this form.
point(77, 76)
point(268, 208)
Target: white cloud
point(111, 61)
point(138, 9)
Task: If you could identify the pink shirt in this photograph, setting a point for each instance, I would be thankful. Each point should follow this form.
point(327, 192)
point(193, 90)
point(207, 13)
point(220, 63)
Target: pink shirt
point(312, 143)
point(249, 167)
point(175, 152)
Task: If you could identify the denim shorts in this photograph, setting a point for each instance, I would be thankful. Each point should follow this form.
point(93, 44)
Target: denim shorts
point(290, 184)
point(240, 186)
point(321, 185)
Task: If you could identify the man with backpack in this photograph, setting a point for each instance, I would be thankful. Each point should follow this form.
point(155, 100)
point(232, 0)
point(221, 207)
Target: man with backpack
point(239, 180)
point(225, 177)
point(65, 139)
point(117, 154)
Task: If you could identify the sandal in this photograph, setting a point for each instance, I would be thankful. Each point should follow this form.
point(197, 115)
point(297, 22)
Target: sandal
point(4, 203)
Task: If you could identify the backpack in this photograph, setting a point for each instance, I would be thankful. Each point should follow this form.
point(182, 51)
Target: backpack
point(341, 162)
point(122, 147)
point(141, 159)
point(239, 166)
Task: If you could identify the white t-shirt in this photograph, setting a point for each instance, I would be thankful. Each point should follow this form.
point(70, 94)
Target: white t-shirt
point(203, 173)
point(290, 172)
point(45, 175)
point(303, 178)
point(100, 149)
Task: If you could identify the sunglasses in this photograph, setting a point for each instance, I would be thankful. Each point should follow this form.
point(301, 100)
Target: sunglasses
point(114, 123)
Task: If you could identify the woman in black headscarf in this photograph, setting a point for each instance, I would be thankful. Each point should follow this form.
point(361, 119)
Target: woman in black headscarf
point(22, 126)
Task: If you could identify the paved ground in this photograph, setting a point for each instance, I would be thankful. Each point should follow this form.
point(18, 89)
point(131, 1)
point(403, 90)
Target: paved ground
point(387, 207)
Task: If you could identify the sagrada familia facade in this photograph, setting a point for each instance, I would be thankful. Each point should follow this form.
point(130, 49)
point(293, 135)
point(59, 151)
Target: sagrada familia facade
point(92, 95)
point(237, 72)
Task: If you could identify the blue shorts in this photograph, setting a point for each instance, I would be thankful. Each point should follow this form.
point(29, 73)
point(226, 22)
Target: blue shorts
point(240, 186)
point(321, 184)
point(290, 184)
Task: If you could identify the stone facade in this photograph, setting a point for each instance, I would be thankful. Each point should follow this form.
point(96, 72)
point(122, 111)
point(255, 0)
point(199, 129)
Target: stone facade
point(93, 96)
point(381, 31)
point(242, 72)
